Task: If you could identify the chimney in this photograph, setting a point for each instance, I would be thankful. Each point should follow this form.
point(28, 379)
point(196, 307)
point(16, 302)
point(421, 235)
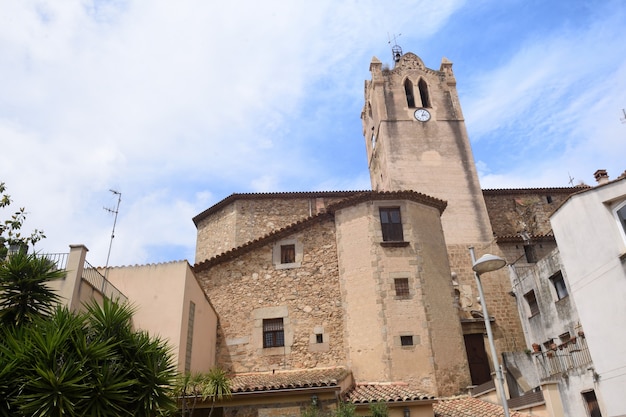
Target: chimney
point(601, 176)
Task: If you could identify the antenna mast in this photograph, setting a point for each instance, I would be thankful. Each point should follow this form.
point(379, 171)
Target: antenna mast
point(114, 211)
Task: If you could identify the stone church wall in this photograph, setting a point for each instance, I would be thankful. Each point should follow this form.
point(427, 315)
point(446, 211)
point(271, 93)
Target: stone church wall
point(247, 219)
point(250, 288)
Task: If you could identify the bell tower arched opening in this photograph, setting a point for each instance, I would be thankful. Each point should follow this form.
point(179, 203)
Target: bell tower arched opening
point(423, 89)
point(408, 90)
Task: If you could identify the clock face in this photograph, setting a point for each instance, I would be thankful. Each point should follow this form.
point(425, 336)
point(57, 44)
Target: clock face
point(422, 115)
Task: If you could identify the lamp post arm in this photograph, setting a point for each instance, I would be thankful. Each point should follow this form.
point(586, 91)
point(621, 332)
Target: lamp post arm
point(492, 345)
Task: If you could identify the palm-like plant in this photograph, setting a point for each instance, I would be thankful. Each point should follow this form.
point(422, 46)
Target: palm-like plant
point(24, 292)
point(214, 385)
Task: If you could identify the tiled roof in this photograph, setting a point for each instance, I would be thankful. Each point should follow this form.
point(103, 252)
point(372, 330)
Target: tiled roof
point(470, 407)
point(285, 380)
point(552, 190)
point(364, 393)
point(281, 195)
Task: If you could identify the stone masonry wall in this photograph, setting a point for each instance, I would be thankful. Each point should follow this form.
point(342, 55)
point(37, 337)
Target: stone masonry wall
point(507, 328)
point(511, 212)
point(251, 287)
point(249, 219)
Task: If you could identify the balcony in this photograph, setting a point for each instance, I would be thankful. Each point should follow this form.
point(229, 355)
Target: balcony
point(562, 358)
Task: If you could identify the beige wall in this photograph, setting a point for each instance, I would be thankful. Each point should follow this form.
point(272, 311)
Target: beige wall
point(375, 318)
point(161, 294)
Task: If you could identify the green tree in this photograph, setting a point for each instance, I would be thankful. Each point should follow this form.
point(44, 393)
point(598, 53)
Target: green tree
point(24, 293)
point(10, 229)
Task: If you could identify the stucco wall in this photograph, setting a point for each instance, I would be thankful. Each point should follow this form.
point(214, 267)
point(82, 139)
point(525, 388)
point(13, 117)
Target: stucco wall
point(592, 245)
point(161, 295)
point(375, 318)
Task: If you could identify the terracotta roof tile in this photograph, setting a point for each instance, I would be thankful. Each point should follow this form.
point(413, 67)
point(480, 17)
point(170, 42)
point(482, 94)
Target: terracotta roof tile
point(364, 393)
point(293, 379)
point(471, 407)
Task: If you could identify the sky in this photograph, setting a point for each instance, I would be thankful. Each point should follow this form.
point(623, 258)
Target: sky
point(178, 104)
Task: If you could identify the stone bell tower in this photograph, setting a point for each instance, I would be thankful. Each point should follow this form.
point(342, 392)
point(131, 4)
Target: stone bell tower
point(416, 140)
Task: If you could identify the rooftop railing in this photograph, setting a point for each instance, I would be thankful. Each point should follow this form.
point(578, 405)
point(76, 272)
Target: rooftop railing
point(100, 283)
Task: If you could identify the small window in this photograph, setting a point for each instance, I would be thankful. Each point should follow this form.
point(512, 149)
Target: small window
point(533, 307)
point(531, 256)
point(319, 338)
point(406, 340)
point(549, 199)
point(559, 285)
point(273, 333)
point(402, 287)
point(287, 254)
point(391, 224)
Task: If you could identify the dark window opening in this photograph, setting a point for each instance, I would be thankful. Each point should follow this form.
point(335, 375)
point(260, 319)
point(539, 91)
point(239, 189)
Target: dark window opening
point(559, 285)
point(287, 254)
point(531, 299)
point(424, 93)
point(408, 90)
point(402, 287)
point(406, 340)
point(549, 199)
point(593, 408)
point(319, 338)
point(391, 224)
point(531, 256)
point(273, 333)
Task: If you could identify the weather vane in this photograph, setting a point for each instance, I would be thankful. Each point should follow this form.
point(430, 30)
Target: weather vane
point(114, 211)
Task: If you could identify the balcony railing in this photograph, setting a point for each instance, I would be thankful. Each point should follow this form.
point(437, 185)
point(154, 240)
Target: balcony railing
point(90, 275)
point(570, 355)
point(100, 283)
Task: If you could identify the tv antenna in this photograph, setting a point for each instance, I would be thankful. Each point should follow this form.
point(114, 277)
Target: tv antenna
point(396, 51)
point(114, 211)
point(623, 119)
point(571, 180)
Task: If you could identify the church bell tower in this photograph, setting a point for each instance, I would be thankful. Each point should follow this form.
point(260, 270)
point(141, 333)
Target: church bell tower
point(416, 140)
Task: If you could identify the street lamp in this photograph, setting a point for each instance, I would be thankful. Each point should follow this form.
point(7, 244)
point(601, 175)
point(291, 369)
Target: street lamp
point(489, 263)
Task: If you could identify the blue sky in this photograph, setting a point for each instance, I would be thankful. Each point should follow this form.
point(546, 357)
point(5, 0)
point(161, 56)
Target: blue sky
point(179, 104)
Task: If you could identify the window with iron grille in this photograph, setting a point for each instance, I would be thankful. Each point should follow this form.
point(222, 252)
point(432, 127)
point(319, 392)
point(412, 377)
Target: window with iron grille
point(531, 299)
point(406, 340)
point(402, 287)
point(287, 254)
point(391, 224)
point(273, 333)
point(319, 338)
point(559, 285)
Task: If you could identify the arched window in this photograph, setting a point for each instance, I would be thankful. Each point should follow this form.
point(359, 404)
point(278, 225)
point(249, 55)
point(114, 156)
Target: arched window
point(408, 90)
point(424, 93)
